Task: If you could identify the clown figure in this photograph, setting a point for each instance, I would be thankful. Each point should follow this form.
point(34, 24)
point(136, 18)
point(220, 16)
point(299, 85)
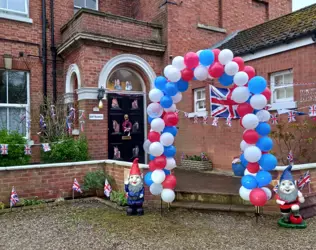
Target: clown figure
point(289, 198)
point(134, 189)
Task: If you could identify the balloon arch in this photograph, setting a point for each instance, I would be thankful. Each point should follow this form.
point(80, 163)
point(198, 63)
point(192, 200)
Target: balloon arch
point(249, 92)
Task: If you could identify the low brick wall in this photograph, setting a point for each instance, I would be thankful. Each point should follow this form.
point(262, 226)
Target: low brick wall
point(195, 165)
point(51, 181)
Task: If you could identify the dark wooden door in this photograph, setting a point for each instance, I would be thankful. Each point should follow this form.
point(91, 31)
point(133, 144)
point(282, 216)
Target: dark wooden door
point(126, 137)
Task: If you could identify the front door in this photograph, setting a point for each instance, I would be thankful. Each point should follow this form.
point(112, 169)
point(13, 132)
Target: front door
point(126, 127)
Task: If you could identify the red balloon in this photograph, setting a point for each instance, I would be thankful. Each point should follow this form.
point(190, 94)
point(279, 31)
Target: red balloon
point(244, 109)
point(153, 136)
point(267, 93)
point(240, 63)
point(171, 119)
point(187, 74)
point(170, 182)
point(253, 167)
point(191, 60)
point(250, 71)
point(216, 70)
point(160, 162)
point(250, 136)
point(258, 197)
point(216, 53)
point(152, 166)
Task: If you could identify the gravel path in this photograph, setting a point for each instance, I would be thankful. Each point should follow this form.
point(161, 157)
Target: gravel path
point(91, 225)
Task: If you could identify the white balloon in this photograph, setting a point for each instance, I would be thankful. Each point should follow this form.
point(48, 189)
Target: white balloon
point(241, 78)
point(156, 149)
point(177, 98)
point(157, 125)
point(146, 146)
point(244, 193)
point(231, 68)
point(155, 188)
point(248, 173)
point(201, 73)
point(166, 139)
point(178, 62)
point(258, 101)
point(252, 154)
point(171, 163)
point(173, 74)
point(225, 56)
point(166, 69)
point(158, 176)
point(173, 108)
point(154, 110)
point(263, 115)
point(155, 95)
point(240, 94)
point(268, 192)
point(250, 121)
point(168, 195)
point(244, 145)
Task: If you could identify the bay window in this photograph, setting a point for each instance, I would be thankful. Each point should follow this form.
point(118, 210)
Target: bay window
point(89, 4)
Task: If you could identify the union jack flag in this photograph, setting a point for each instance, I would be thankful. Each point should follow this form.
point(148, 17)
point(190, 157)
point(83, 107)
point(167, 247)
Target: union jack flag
point(76, 186)
point(195, 119)
point(290, 157)
point(221, 103)
point(4, 149)
point(303, 180)
point(312, 110)
point(275, 189)
point(46, 147)
point(27, 149)
point(291, 116)
point(205, 118)
point(182, 156)
point(107, 188)
point(186, 114)
point(215, 121)
point(13, 197)
point(177, 111)
point(229, 121)
point(82, 126)
point(268, 107)
point(274, 119)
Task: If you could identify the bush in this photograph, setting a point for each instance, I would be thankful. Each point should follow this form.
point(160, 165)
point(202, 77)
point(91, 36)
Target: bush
point(68, 150)
point(15, 154)
point(95, 180)
point(119, 198)
point(202, 157)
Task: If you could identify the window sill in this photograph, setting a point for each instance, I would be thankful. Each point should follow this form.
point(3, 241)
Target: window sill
point(198, 114)
point(211, 28)
point(16, 18)
point(283, 105)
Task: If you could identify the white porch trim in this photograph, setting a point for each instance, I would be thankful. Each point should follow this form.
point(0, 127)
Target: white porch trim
point(72, 69)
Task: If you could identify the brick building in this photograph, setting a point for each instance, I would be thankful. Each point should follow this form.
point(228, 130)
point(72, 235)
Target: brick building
point(72, 48)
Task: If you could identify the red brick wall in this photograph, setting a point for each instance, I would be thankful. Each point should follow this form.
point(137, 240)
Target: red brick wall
point(118, 7)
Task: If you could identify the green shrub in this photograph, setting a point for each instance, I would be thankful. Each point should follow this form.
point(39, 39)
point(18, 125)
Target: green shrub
point(119, 198)
point(68, 150)
point(95, 180)
point(15, 154)
point(31, 202)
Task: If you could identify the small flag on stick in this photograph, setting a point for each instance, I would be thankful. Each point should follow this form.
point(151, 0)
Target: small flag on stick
point(13, 197)
point(46, 147)
point(76, 186)
point(290, 157)
point(4, 149)
point(303, 180)
point(107, 188)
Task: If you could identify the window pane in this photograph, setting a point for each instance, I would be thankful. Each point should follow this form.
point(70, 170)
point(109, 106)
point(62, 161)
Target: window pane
point(280, 93)
point(3, 118)
point(15, 121)
point(126, 80)
point(203, 94)
point(17, 87)
point(3, 87)
point(79, 3)
point(288, 78)
point(200, 104)
point(198, 95)
point(17, 5)
point(278, 80)
point(289, 92)
point(92, 4)
point(3, 4)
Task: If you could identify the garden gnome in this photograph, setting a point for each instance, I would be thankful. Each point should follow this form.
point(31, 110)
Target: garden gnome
point(134, 189)
point(289, 198)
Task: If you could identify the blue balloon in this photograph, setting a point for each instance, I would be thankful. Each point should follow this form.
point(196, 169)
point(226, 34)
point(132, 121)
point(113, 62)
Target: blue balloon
point(206, 57)
point(249, 182)
point(243, 160)
point(265, 144)
point(226, 80)
point(263, 129)
point(151, 157)
point(147, 179)
point(149, 119)
point(182, 85)
point(257, 85)
point(167, 172)
point(263, 178)
point(171, 89)
point(171, 129)
point(268, 162)
point(166, 101)
point(160, 82)
point(170, 151)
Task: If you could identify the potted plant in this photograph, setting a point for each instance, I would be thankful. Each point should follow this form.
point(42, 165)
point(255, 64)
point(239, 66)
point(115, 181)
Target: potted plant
point(196, 162)
point(94, 182)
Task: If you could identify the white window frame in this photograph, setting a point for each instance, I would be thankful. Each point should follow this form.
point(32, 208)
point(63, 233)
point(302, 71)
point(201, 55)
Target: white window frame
point(85, 1)
point(16, 105)
point(196, 100)
point(17, 15)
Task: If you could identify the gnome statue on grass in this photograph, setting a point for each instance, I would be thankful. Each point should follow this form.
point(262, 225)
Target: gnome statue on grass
point(134, 189)
point(289, 197)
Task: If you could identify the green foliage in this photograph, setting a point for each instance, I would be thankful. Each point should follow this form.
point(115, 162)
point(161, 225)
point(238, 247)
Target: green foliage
point(95, 180)
point(69, 150)
point(202, 157)
point(2, 206)
point(16, 154)
point(31, 202)
point(119, 198)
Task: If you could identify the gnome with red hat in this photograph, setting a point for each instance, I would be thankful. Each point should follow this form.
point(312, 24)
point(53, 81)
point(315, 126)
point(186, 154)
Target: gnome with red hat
point(134, 189)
